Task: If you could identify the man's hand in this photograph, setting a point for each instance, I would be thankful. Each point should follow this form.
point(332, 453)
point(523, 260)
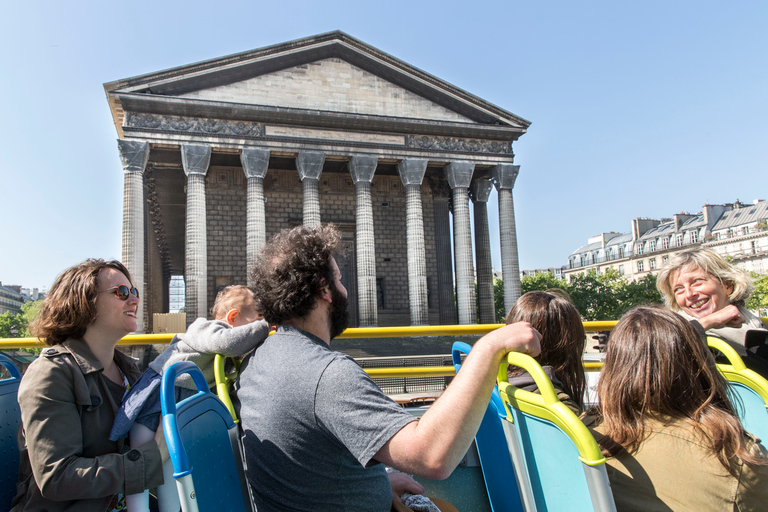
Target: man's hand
point(729, 316)
point(517, 337)
point(402, 482)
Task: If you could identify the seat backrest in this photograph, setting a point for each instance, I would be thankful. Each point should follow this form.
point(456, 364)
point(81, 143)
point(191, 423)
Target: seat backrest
point(225, 382)
point(749, 390)
point(204, 444)
point(564, 466)
point(10, 420)
point(496, 464)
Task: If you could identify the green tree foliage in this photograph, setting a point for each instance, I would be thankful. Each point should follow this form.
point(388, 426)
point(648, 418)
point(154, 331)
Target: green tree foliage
point(498, 300)
point(604, 296)
point(758, 301)
point(540, 281)
point(17, 326)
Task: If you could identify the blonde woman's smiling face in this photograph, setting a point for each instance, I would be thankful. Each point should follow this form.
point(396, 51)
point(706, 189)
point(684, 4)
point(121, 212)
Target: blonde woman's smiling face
point(699, 293)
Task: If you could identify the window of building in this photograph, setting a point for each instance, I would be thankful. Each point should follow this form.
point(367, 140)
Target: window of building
point(621, 270)
point(176, 294)
point(640, 266)
point(694, 237)
point(679, 240)
point(665, 243)
point(639, 247)
point(653, 263)
point(621, 252)
point(652, 245)
point(664, 260)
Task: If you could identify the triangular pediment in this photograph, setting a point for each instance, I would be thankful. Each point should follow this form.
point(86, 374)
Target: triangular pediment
point(332, 85)
point(330, 72)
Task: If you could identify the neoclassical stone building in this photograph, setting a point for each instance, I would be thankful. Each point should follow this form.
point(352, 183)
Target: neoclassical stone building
point(222, 154)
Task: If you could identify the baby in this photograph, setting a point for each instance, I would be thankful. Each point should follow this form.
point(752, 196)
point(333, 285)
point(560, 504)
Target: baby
point(237, 329)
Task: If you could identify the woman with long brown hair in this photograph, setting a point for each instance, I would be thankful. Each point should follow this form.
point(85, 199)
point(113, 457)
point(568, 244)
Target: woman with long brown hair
point(70, 394)
point(667, 424)
point(562, 344)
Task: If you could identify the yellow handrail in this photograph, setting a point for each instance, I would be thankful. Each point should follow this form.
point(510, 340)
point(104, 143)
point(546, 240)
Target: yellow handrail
point(354, 332)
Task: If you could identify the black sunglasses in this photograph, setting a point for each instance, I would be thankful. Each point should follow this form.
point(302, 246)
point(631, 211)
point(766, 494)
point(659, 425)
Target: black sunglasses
point(122, 291)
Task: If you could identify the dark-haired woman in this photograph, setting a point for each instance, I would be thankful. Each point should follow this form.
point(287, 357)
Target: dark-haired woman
point(70, 394)
point(667, 425)
point(562, 343)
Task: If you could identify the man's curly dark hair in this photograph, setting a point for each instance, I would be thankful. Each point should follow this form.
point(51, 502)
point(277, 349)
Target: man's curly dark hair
point(292, 269)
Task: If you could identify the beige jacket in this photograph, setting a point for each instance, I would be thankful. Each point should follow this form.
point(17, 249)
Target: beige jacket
point(67, 459)
point(673, 471)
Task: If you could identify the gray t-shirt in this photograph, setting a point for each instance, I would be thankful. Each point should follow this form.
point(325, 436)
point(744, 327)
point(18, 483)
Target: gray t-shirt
point(312, 420)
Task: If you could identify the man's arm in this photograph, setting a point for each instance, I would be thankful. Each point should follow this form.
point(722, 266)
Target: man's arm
point(433, 446)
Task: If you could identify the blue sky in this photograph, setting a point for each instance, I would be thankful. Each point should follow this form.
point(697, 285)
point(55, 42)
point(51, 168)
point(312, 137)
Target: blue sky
point(638, 109)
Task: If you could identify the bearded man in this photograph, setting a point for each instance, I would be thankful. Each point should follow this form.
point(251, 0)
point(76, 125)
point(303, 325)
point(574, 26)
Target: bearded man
point(317, 431)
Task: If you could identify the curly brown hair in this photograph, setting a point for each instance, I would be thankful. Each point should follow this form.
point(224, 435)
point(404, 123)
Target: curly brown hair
point(292, 269)
point(71, 303)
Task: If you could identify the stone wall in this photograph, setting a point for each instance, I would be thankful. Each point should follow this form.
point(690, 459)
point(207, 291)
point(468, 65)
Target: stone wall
point(226, 228)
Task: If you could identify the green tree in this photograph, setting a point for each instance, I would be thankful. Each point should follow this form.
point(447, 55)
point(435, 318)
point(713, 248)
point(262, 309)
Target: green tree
point(17, 325)
point(12, 325)
point(637, 293)
point(758, 301)
point(595, 295)
point(498, 300)
point(541, 281)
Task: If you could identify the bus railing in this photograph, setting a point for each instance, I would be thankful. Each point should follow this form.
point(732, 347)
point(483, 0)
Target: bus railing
point(353, 332)
point(356, 333)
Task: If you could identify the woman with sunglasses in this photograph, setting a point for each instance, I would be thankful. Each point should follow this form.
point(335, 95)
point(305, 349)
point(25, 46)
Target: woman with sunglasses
point(69, 396)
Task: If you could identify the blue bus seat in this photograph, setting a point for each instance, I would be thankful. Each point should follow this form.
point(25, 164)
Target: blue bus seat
point(204, 444)
point(564, 466)
point(748, 387)
point(10, 420)
point(498, 473)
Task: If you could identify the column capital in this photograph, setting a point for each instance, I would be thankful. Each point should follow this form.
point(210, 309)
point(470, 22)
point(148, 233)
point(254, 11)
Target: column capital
point(459, 174)
point(310, 164)
point(195, 158)
point(255, 162)
point(504, 176)
point(134, 155)
point(362, 168)
point(412, 170)
point(481, 190)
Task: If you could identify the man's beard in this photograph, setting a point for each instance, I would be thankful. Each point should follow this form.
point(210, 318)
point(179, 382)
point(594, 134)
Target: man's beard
point(338, 319)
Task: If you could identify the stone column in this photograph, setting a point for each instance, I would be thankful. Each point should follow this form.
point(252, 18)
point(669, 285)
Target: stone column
point(196, 158)
point(412, 173)
point(362, 169)
point(441, 198)
point(255, 164)
point(310, 166)
point(459, 175)
point(481, 191)
point(504, 176)
point(134, 155)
